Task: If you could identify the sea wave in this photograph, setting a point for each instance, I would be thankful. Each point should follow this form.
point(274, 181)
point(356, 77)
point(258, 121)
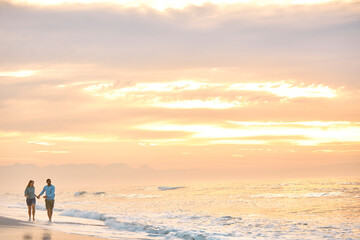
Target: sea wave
point(120, 195)
point(99, 193)
point(168, 188)
point(350, 183)
point(82, 193)
point(84, 214)
point(306, 195)
point(137, 196)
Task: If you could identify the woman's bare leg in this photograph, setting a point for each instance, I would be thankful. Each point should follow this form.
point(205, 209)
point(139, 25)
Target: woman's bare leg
point(29, 211)
point(33, 211)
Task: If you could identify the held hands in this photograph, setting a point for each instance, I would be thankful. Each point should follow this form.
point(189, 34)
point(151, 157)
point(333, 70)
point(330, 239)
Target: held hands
point(38, 197)
point(26, 196)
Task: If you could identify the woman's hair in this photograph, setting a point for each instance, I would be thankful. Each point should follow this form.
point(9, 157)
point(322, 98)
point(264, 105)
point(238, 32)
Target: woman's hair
point(29, 183)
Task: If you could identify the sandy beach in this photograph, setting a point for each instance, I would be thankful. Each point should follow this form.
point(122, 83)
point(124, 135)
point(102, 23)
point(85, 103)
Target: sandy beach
point(16, 230)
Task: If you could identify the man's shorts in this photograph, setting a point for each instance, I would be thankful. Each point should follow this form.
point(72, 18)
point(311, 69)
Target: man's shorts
point(30, 201)
point(49, 204)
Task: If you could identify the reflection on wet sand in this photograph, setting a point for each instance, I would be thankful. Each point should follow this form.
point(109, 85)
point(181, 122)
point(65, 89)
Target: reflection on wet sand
point(12, 229)
point(29, 236)
point(46, 236)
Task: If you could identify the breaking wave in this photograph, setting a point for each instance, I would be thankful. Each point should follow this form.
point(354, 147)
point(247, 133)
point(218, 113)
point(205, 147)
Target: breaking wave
point(81, 193)
point(168, 188)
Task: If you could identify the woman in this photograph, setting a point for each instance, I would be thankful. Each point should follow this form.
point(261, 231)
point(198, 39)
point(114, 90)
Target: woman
point(30, 199)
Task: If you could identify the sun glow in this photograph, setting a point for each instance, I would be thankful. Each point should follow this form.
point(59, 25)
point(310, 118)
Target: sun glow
point(301, 133)
point(22, 73)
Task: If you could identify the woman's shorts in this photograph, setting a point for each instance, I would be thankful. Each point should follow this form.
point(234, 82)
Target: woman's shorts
point(30, 201)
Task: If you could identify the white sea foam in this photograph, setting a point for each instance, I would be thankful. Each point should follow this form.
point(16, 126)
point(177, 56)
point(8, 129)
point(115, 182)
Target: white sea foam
point(39, 207)
point(268, 195)
point(168, 233)
point(139, 195)
point(135, 196)
point(322, 194)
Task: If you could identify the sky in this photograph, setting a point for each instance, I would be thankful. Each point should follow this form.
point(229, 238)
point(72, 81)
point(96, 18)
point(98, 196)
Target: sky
point(211, 85)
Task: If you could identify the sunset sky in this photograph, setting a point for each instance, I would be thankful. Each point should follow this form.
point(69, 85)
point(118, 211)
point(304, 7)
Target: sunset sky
point(200, 84)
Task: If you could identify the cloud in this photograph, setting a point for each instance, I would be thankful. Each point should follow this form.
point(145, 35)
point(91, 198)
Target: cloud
point(144, 86)
point(56, 152)
point(162, 5)
point(302, 124)
point(7, 134)
point(212, 103)
point(41, 143)
point(300, 38)
point(286, 89)
point(39, 105)
point(213, 95)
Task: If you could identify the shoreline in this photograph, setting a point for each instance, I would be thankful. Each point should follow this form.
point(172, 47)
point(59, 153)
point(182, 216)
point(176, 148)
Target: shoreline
point(19, 230)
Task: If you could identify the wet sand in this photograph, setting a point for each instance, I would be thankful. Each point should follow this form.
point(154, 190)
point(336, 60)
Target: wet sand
point(11, 229)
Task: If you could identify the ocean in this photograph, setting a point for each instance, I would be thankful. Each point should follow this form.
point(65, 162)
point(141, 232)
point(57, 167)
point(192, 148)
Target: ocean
point(256, 209)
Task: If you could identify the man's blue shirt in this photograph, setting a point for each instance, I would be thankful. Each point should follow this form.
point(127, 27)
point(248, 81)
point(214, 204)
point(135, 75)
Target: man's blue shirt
point(50, 192)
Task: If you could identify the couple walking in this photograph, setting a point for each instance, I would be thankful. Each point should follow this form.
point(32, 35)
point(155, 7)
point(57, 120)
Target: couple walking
point(31, 198)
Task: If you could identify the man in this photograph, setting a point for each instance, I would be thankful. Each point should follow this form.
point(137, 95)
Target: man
point(49, 198)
